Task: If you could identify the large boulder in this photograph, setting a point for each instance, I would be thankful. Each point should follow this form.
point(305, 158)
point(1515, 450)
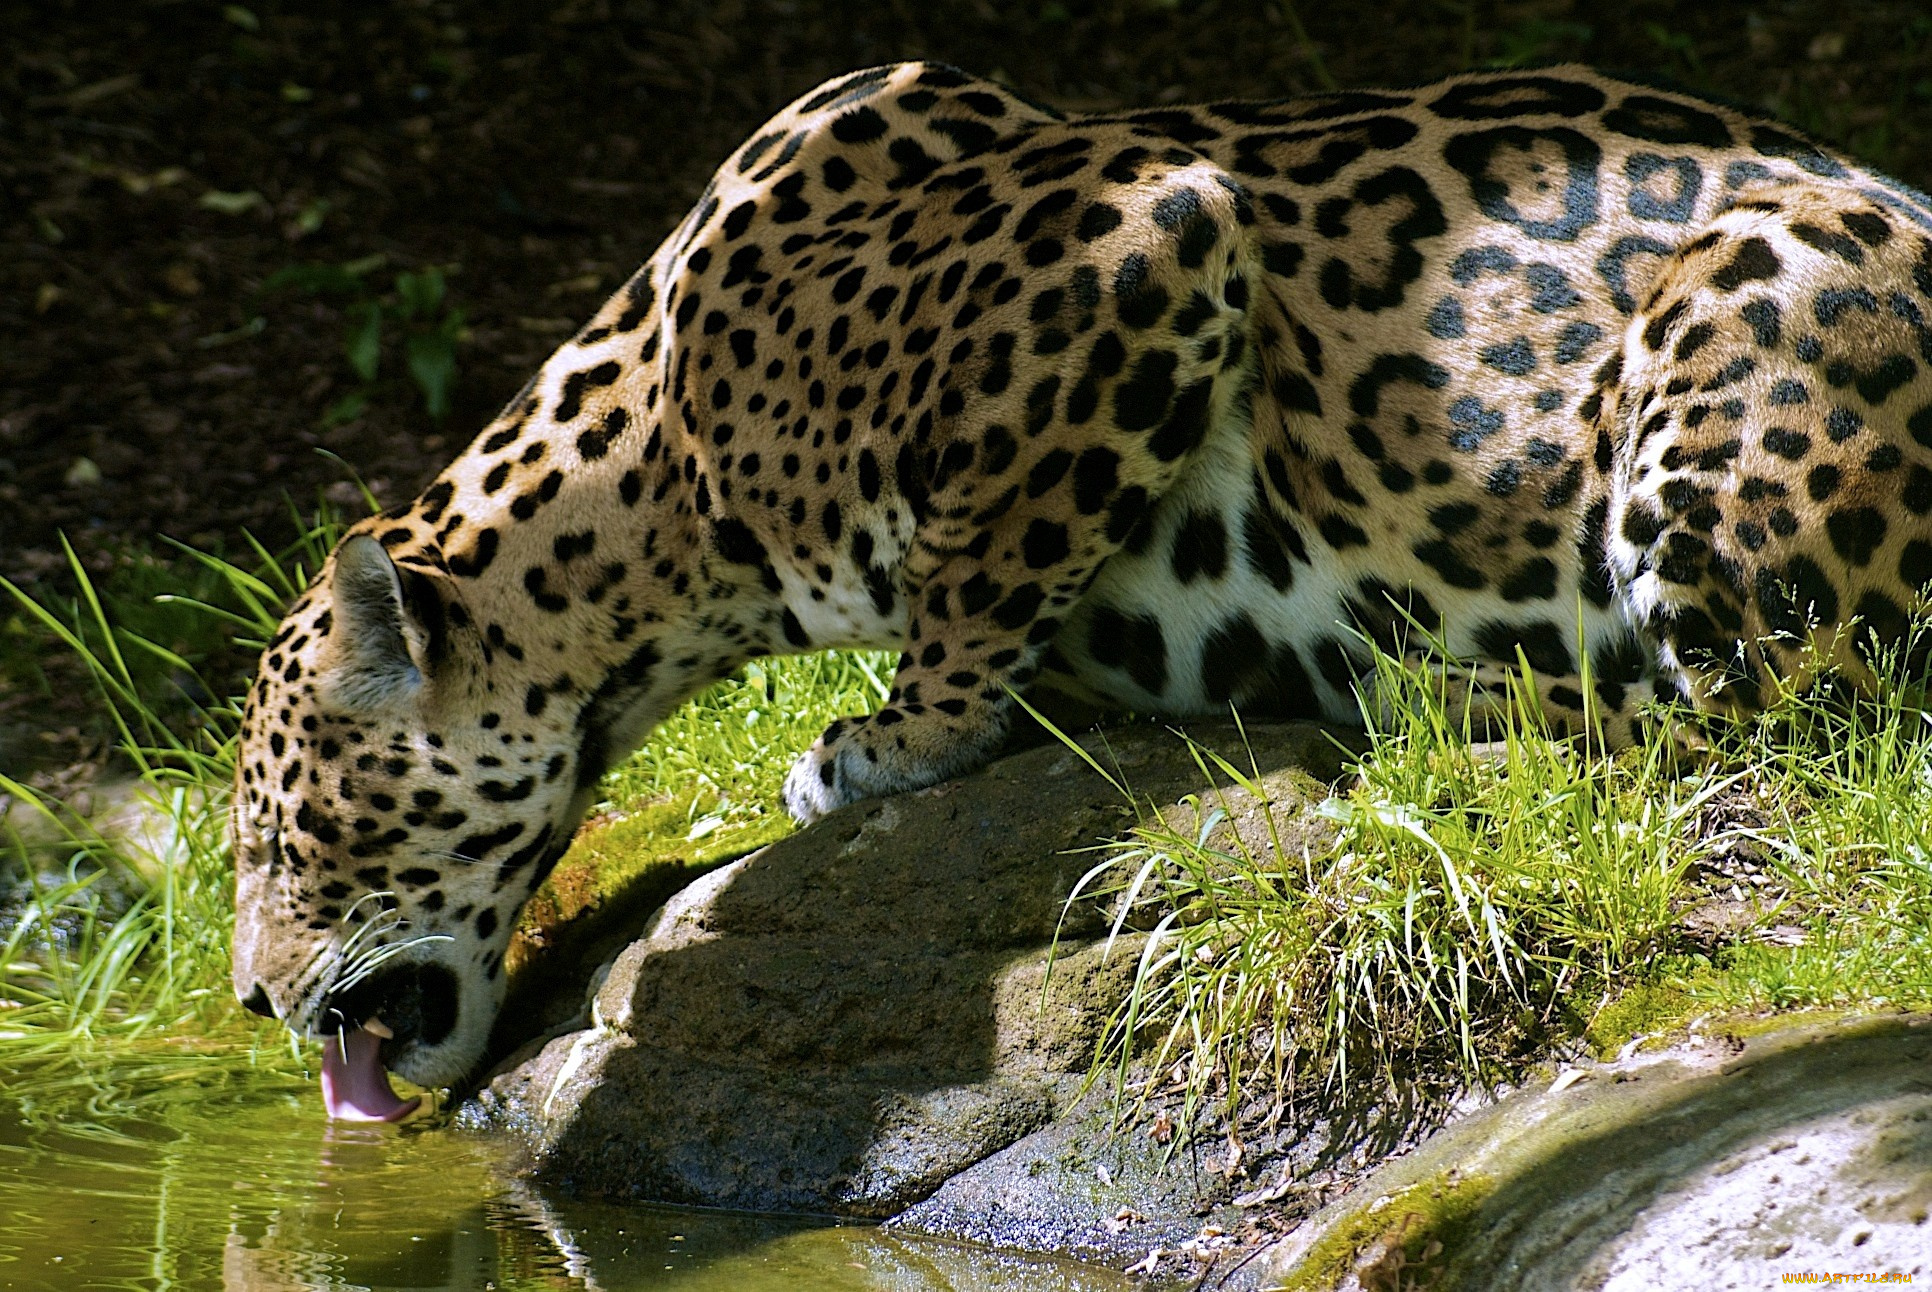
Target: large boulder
point(1723, 1161)
point(857, 1014)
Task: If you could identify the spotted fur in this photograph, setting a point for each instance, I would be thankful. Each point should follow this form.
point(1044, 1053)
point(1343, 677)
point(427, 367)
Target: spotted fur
point(1169, 408)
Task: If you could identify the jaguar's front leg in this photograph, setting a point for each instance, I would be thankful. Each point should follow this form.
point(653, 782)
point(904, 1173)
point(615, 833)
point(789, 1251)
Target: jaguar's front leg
point(976, 637)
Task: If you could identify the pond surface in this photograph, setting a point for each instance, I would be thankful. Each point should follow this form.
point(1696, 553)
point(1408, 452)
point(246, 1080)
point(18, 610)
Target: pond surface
point(218, 1170)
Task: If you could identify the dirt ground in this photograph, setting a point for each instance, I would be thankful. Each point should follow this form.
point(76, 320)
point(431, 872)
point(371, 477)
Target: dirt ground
point(163, 162)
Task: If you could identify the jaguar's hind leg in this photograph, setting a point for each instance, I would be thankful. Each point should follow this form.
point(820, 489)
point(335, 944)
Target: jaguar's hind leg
point(1769, 443)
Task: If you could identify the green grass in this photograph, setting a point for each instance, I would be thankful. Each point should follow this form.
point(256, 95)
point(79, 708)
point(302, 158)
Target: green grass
point(1484, 905)
point(109, 940)
point(712, 771)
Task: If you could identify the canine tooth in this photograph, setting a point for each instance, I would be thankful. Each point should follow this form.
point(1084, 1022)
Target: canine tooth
point(378, 1028)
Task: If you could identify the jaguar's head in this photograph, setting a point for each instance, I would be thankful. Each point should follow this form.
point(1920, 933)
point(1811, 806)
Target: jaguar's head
point(401, 789)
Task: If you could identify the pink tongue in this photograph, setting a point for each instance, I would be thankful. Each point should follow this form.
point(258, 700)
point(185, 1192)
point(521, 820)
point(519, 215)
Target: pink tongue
point(354, 1086)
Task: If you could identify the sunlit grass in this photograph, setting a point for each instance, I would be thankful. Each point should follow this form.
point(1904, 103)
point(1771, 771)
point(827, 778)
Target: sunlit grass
point(75, 962)
point(1484, 904)
point(714, 768)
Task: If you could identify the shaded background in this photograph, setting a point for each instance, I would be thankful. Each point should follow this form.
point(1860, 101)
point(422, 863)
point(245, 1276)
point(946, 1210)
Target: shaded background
point(183, 182)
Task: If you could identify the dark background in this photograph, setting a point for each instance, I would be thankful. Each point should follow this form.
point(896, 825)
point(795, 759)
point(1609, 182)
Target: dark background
point(162, 162)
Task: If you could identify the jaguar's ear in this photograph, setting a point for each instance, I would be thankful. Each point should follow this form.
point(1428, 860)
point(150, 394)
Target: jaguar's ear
point(370, 664)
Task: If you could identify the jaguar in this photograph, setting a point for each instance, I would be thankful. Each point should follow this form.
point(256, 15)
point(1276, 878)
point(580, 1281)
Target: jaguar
point(1165, 409)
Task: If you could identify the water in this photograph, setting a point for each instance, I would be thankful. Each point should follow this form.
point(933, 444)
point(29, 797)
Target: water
point(216, 1169)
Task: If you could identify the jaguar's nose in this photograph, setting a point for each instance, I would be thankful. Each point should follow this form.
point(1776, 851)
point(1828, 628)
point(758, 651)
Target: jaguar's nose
point(256, 1002)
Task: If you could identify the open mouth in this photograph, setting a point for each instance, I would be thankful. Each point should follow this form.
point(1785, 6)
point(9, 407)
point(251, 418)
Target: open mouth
point(367, 1027)
point(355, 1088)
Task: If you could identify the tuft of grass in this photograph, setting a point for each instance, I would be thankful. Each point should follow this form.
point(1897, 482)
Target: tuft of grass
point(429, 329)
point(107, 940)
point(718, 763)
point(1483, 905)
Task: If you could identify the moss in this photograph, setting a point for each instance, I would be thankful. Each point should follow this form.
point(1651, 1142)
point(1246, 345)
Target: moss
point(630, 862)
point(1403, 1241)
point(620, 868)
point(1645, 1009)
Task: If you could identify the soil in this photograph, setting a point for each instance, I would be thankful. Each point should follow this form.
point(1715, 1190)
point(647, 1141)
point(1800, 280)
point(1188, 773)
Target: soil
point(161, 162)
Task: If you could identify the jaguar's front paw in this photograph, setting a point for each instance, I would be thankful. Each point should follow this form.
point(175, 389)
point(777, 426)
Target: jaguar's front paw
point(814, 786)
point(888, 752)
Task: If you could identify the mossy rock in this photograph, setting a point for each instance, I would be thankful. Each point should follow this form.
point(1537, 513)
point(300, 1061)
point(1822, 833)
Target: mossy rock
point(1722, 1161)
point(619, 869)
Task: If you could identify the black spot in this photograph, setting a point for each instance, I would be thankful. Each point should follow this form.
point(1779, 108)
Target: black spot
point(1095, 476)
point(1340, 533)
point(1365, 393)
point(1134, 645)
point(1641, 525)
point(1474, 153)
point(1234, 660)
point(1098, 220)
point(1142, 400)
point(736, 543)
point(1045, 544)
point(1126, 517)
point(1494, 97)
point(1186, 425)
point(1917, 494)
point(1856, 533)
point(1794, 599)
point(1575, 340)
point(1138, 300)
point(1754, 260)
point(1472, 423)
point(1667, 121)
point(1534, 580)
point(1541, 641)
point(1915, 564)
point(1200, 547)
point(1048, 472)
point(478, 846)
point(1776, 143)
point(1387, 616)
point(1683, 558)
point(1442, 556)
point(577, 383)
point(1454, 517)
point(1020, 606)
point(1424, 219)
point(1765, 319)
point(1829, 241)
point(858, 126)
point(1832, 303)
point(1267, 553)
point(503, 792)
point(1883, 625)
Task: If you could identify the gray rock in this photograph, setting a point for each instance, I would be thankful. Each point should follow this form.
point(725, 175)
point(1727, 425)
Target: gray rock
point(1076, 1187)
point(852, 1017)
point(1719, 1163)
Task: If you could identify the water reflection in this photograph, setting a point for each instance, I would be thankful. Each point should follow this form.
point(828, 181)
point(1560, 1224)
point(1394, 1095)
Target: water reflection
point(207, 1173)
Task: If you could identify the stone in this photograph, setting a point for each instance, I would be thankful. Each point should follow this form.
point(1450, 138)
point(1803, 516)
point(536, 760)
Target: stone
point(852, 1017)
point(1719, 1162)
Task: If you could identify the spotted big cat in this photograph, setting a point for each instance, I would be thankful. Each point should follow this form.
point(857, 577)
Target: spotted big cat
point(1171, 409)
